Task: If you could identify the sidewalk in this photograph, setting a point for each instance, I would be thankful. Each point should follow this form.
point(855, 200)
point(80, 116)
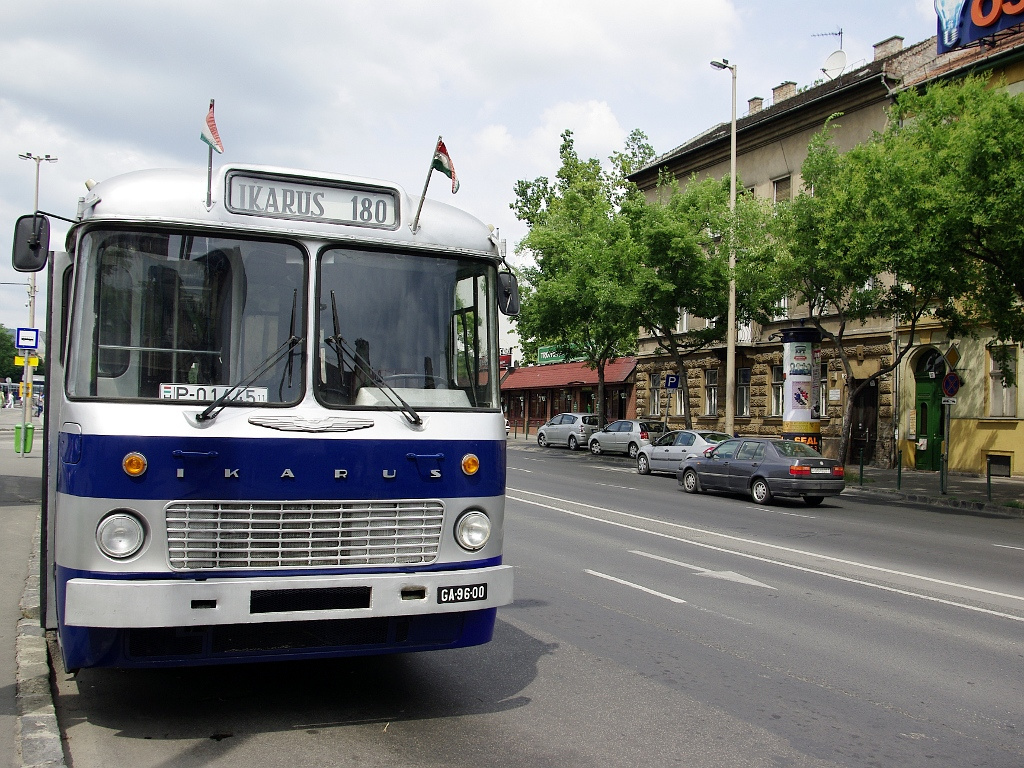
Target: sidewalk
point(963, 491)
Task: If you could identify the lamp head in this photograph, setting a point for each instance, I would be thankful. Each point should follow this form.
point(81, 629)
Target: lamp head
point(723, 64)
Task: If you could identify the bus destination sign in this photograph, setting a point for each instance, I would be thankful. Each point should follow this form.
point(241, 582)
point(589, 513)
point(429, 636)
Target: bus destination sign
point(286, 197)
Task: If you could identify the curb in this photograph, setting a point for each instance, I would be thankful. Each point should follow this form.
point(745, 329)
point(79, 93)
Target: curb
point(37, 734)
point(999, 510)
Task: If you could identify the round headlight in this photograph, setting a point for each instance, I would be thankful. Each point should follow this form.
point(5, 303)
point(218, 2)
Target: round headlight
point(473, 530)
point(120, 535)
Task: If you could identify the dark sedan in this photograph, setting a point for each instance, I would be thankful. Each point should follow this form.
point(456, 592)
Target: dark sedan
point(764, 468)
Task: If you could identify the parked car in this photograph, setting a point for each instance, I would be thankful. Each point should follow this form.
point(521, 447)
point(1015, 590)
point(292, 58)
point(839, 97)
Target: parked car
point(665, 453)
point(625, 436)
point(569, 429)
point(764, 468)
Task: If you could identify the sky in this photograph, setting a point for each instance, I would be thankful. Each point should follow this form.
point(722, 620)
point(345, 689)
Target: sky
point(365, 88)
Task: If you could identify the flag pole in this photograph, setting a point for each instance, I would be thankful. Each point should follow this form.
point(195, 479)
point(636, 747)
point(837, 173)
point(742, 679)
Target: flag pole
point(419, 208)
point(209, 173)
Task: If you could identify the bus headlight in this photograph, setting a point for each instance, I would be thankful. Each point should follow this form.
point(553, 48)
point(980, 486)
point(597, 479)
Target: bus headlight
point(120, 535)
point(470, 464)
point(472, 530)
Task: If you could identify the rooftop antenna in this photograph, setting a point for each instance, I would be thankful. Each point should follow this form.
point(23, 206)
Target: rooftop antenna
point(836, 62)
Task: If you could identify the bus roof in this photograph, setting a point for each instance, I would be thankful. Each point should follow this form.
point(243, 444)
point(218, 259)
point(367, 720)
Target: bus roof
point(179, 196)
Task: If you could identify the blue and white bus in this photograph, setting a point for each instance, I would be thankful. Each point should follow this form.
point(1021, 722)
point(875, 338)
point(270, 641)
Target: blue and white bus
point(273, 428)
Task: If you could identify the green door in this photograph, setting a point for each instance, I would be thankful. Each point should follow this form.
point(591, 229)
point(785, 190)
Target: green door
point(928, 403)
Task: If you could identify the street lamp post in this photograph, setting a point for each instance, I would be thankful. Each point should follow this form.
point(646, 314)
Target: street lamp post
point(26, 376)
point(730, 337)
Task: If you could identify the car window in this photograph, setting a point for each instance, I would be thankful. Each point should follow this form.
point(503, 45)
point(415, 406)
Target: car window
point(714, 437)
point(590, 421)
point(791, 448)
point(569, 419)
point(727, 449)
point(667, 439)
point(652, 426)
point(748, 451)
point(685, 438)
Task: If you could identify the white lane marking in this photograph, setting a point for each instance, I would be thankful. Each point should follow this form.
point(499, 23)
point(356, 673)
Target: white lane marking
point(1007, 546)
point(528, 458)
point(778, 512)
point(619, 487)
point(791, 566)
point(739, 578)
point(634, 586)
point(613, 469)
point(519, 469)
point(779, 547)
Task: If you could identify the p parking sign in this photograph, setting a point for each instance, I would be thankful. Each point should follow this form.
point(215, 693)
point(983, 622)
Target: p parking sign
point(672, 381)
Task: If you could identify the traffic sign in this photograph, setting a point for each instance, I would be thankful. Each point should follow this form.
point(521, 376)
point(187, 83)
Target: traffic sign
point(33, 361)
point(28, 338)
point(950, 384)
point(672, 381)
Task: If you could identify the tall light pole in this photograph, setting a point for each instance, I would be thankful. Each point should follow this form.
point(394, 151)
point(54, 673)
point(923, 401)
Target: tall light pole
point(730, 337)
point(26, 376)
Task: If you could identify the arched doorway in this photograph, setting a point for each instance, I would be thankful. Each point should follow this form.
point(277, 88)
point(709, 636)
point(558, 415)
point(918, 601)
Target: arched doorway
point(928, 372)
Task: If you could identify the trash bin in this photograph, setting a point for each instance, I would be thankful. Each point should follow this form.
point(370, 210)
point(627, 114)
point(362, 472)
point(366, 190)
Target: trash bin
point(27, 446)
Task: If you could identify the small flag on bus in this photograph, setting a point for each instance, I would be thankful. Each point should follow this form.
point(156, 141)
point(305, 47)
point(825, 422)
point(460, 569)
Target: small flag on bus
point(443, 163)
point(210, 134)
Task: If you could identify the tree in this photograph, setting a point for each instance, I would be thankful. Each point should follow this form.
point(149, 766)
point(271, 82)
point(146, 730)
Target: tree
point(580, 295)
point(861, 245)
point(681, 268)
point(964, 139)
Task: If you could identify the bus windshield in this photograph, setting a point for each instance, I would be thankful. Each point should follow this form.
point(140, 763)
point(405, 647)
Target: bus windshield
point(417, 326)
point(182, 317)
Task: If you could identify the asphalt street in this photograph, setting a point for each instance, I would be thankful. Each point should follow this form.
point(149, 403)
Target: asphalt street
point(650, 627)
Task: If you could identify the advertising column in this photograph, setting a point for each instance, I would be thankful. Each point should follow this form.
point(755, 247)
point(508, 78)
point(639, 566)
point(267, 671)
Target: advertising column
point(801, 393)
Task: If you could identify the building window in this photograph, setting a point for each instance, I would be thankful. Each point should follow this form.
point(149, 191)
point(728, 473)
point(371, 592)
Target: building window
point(711, 392)
point(782, 189)
point(683, 324)
point(742, 391)
point(778, 379)
point(679, 400)
point(781, 310)
point(1002, 398)
point(655, 409)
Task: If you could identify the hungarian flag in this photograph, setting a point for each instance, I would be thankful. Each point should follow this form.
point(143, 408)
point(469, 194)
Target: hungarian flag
point(443, 163)
point(210, 134)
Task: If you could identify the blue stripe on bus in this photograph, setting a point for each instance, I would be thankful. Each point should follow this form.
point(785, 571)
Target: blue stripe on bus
point(278, 469)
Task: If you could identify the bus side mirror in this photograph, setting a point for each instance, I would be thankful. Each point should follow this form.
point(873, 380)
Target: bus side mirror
point(31, 243)
point(508, 294)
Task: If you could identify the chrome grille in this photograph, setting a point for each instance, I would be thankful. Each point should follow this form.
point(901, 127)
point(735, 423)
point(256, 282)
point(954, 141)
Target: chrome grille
point(302, 534)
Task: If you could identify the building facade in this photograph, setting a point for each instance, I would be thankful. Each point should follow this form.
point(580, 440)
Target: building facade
point(902, 415)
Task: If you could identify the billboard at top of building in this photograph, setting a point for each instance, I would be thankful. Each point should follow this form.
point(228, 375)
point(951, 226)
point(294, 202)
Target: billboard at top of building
point(962, 22)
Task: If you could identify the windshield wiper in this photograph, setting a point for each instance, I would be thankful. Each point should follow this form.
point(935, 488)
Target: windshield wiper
point(341, 348)
point(222, 402)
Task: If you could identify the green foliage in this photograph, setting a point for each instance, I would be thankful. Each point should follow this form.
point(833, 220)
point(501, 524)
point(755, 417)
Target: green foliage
point(580, 294)
point(7, 353)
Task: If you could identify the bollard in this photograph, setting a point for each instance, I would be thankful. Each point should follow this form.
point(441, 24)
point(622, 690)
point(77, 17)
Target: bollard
point(899, 469)
point(862, 466)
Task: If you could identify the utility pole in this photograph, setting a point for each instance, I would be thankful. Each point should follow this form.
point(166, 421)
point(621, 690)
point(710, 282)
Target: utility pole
point(26, 376)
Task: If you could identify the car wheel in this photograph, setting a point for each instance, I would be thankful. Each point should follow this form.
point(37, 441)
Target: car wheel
point(595, 447)
point(542, 440)
point(813, 501)
point(573, 445)
point(643, 466)
point(760, 492)
point(633, 450)
point(690, 481)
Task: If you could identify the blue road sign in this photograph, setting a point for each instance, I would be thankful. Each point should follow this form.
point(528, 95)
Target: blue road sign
point(672, 381)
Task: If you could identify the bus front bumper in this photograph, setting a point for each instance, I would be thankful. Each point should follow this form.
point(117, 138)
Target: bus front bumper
point(134, 603)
